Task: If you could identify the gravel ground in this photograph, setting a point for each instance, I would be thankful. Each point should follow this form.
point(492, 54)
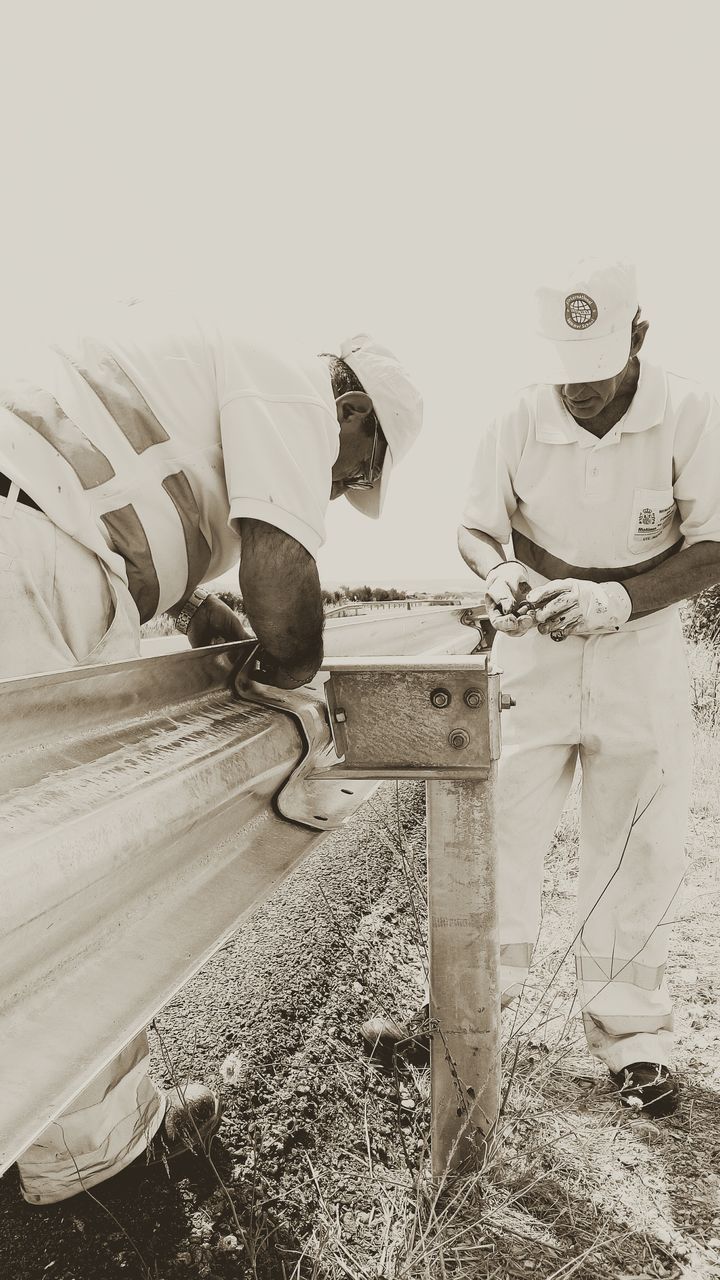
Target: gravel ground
point(282, 1001)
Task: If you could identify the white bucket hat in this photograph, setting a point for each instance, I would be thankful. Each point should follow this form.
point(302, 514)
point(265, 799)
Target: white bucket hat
point(586, 320)
point(397, 403)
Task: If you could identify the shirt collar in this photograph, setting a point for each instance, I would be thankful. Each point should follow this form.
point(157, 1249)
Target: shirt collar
point(554, 425)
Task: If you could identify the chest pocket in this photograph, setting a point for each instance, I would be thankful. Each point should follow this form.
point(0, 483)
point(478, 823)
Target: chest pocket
point(652, 515)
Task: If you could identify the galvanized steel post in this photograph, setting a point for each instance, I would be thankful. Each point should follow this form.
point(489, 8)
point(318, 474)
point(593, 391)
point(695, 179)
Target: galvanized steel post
point(439, 719)
point(464, 969)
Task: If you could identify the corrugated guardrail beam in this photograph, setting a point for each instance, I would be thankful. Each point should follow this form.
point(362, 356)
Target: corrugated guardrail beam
point(136, 831)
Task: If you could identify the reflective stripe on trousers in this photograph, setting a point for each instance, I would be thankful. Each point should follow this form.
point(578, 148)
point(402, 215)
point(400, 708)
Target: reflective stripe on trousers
point(59, 609)
point(619, 704)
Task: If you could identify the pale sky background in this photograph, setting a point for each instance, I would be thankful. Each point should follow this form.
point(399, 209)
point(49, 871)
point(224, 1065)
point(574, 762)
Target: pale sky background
point(397, 166)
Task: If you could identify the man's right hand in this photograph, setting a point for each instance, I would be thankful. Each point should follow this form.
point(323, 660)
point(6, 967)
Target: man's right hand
point(506, 586)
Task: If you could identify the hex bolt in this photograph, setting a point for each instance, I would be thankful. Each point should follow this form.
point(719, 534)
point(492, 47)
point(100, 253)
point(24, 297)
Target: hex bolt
point(440, 698)
point(459, 739)
point(474, 698)
point(506, 702)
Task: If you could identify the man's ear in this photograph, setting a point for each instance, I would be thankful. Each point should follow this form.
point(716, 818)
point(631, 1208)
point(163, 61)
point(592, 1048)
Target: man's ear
point(352, 407)
point(639, 331)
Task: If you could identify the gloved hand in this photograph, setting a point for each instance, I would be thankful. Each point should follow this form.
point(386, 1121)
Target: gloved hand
point(573, 604)
point(214, 622)
point(506, 586)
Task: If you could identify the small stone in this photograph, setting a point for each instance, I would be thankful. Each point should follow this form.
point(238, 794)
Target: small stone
point(228, 1244)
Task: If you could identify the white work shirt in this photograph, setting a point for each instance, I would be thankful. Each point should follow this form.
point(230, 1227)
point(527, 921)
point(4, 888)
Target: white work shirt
point(148, 435)
point(578, 506)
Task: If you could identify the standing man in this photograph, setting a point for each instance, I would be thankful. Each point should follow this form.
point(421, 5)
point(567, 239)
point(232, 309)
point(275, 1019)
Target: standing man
point(137, 461)
point(605, 478)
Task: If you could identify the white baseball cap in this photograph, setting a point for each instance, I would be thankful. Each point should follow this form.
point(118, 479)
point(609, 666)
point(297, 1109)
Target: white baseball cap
point(586, 318)
point(397, 403)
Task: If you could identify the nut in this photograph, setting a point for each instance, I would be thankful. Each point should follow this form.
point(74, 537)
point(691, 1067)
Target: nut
point(440, 698)
point(506, 702)
point(474, 698)
point(459, 739)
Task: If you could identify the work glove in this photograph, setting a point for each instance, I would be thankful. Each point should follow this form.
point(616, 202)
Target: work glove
point(506, 586)
point(566, 605)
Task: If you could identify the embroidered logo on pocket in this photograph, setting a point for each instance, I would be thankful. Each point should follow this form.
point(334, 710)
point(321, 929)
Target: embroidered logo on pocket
point(653, 512)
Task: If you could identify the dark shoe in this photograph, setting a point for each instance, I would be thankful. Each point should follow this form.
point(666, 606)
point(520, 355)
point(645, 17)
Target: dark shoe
point(385, 1039)
point(648, 1087)
point(191, 1119)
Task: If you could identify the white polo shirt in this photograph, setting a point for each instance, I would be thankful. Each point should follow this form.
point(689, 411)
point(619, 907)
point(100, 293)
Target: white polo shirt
point(147, 435)
point(581, 507)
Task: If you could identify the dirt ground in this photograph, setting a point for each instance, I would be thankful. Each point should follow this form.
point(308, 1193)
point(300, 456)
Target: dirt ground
point(321, 1166)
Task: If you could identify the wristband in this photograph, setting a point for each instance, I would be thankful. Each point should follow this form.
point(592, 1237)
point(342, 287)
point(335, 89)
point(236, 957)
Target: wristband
point(501, 563)
point(190, 608)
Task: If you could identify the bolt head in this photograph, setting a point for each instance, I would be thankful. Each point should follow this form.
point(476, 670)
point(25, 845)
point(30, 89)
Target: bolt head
point(340, 716)
point(506, 702)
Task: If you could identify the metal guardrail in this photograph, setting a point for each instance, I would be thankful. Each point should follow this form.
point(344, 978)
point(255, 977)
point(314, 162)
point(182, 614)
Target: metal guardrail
point(141, 819)
point(354, 608)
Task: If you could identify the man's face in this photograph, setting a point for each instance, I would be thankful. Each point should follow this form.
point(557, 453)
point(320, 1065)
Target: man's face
point(361, 444)
point(585, 400)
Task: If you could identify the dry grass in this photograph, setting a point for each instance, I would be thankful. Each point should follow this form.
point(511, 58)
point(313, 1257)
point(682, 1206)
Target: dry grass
point(570, 1184)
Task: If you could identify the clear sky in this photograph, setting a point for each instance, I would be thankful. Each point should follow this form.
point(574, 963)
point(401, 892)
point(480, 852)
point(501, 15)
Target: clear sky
point(399, 166)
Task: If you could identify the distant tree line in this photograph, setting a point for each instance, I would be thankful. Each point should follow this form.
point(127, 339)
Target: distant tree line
point(359, 595)
point(343, 595)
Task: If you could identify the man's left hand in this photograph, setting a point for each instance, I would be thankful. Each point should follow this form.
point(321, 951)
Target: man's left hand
point(568, 605)
point(214, 622)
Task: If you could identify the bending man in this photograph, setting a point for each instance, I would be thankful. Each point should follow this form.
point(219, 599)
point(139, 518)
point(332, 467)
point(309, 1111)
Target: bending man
point(137, 461)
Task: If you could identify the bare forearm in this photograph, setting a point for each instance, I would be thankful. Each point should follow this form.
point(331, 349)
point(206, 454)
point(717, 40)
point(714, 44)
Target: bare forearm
point(479, 551)
point(687, 574)
point(282, 598)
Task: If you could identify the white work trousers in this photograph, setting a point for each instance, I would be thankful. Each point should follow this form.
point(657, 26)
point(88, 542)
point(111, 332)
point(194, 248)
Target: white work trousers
point(619, 703)
point(60, 608)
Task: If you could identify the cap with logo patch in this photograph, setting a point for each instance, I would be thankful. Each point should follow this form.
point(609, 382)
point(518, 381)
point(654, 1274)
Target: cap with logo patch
point(586, 320)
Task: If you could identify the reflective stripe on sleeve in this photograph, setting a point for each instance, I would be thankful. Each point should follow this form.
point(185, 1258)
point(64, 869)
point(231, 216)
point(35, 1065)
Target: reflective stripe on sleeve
point(124, 401)
point(593, 969)
point(180, 492)
point(42, 412)
point(551, 567)
point(516, 955)
point(129, 539)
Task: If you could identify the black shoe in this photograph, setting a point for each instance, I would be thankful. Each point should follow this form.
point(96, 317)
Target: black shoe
point(647, 1087)
point(385, 1039)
